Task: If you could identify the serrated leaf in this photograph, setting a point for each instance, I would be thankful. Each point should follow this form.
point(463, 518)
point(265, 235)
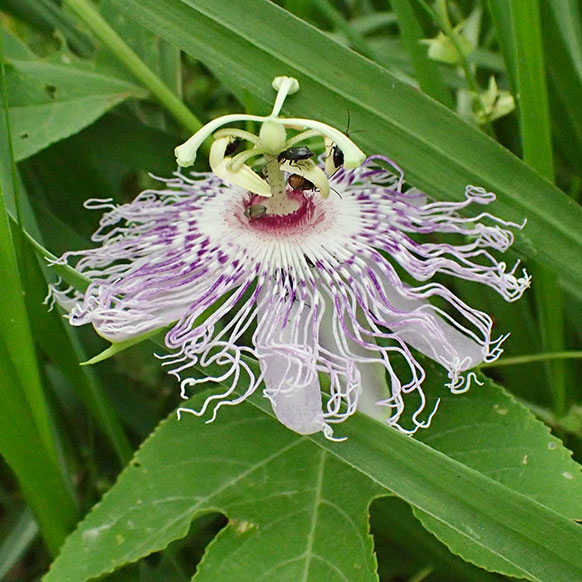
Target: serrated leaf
point(488, 430)
point(50, 101)
point(490, 519)
point(295, 512)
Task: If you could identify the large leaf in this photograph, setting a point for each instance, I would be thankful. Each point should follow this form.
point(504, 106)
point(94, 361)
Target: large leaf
point(296, 512)
point(440, 152)
point(487, 503)
point(50, 101)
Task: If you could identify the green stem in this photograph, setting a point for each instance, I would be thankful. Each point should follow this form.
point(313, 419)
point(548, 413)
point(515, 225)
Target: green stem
point(422, 575)
point(101, 29)
point(441, 16)
point(528, 358)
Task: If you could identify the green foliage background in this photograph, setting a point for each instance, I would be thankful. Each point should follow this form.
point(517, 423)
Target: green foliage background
point(95, 483)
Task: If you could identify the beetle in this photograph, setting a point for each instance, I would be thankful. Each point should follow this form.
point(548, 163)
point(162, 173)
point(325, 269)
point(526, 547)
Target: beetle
point(337, 157)
point(255, 211)
point(298, 182)
point(297, 154)
point(233, 147)
point(336, 154)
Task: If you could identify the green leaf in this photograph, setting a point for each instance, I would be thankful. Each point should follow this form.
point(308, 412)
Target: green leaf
point(401, 556)
point(439, 152)
point(45, 15)
point(14, 48)
point(530, 538)
point(50, 101)
point(563, 56)
point(27, 439)
point(487, 430)
point(536, 143)
point(295, 512)
point(158, 54)
point(483, 512)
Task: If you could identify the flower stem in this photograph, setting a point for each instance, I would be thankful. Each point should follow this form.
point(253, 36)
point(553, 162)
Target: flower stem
point(103, 31)
point(528, 358)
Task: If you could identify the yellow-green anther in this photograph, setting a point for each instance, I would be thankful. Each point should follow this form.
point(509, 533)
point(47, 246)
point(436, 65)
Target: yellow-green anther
point(235, 132)
point(311, 172)
point(240, 159)
point(302, 137)
point(353, 155)
point(243, 176)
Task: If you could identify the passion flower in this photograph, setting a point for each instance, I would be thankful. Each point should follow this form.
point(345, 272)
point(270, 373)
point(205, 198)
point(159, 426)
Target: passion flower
point(276, 257)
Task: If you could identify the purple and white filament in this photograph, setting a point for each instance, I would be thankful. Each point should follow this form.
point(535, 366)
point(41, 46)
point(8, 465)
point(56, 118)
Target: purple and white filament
point(315, 291)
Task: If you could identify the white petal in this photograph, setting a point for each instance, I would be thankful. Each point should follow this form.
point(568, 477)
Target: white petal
point(288, 365)
point(455, 349)
point(373, 385)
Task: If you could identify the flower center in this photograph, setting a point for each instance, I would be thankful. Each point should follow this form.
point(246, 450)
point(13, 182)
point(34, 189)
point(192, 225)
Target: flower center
point(274, 152)
point(296, 213)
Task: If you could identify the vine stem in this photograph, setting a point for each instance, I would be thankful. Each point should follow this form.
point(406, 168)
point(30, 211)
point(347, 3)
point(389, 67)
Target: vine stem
point(528, 358)
point(440, 16)
point(103, 31)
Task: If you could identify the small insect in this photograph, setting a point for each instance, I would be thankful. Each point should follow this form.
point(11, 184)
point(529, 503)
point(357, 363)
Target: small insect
point(336, 154)
point(309, 262)
point(233, 147)
point(337, 157)
point(298, 182)
point(255, 211)
point(295, 154)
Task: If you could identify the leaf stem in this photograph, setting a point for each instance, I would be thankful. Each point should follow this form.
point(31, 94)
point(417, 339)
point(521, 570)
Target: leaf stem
point(528, 358)
point(103, 31)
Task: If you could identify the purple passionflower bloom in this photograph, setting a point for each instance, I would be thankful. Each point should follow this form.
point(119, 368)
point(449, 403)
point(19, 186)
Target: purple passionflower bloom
point(220, 257)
